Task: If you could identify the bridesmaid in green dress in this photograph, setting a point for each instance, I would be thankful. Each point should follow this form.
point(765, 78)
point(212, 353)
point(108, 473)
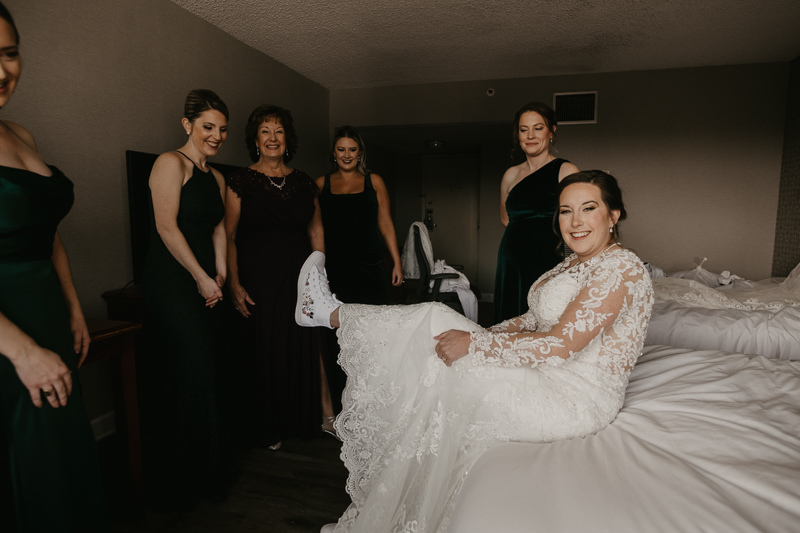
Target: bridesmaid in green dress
point(49, 472)
point(184, 442)
point(357, 222)
point(527, 206)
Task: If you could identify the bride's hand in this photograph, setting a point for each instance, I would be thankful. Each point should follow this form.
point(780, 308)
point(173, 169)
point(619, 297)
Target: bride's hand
point(452, 346)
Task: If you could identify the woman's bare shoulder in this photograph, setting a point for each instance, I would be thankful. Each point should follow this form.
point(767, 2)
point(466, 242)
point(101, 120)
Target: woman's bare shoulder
point(513, 175)
point(21, 132)
point(168, 165)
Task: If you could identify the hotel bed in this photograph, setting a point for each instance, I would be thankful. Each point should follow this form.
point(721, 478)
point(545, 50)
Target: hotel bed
point(760, 317)
point(707, 440)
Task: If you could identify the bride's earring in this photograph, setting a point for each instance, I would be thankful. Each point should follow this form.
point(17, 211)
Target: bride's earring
point(611, 229)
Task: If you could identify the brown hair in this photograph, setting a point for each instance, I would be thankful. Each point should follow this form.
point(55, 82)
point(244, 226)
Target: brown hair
point(200, 100)
point(349, 132)
point(6, 15)
point(610, 193)
point(257, 117)
point(546, 113)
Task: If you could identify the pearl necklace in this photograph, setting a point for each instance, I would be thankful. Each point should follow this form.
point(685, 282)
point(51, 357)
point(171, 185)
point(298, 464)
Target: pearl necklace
point(598, 255)
point(583, 264)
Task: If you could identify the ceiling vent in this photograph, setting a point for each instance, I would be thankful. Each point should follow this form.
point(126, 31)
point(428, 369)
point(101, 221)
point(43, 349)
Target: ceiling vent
point(575, 108)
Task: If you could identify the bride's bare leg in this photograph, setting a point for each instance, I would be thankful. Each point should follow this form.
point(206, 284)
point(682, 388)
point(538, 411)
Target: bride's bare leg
point(335, 317)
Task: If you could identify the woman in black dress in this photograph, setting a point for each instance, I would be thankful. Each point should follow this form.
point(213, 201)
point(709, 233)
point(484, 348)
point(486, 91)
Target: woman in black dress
point(358, 230)
point(183, 435)
point(273, 222)
point(49, 473)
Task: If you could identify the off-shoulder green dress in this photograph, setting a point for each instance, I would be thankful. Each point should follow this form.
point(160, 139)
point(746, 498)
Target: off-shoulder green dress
point(49, 471)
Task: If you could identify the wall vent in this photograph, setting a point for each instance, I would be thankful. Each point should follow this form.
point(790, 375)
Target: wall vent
point(575, 108)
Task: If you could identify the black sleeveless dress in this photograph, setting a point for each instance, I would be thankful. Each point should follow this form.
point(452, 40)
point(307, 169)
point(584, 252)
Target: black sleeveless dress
point(353, 245)
point(528, 248)
point(184, 436)
point(353, 260)
point(49, 472)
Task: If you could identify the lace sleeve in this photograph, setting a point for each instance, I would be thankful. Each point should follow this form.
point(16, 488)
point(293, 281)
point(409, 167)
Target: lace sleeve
point(235, 181)
point(309, 184)
point(526, 322)
point(610, 288)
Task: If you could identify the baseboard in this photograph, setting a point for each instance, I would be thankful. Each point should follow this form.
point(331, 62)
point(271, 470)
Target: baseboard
point(104, 426)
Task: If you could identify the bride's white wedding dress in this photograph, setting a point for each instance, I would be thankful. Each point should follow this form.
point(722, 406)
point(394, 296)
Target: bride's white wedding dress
point(412, 426)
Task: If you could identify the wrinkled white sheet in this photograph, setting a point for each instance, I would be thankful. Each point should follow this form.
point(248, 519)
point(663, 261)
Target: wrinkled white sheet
point(768, 294)
point(769, 333)
point(706, 441)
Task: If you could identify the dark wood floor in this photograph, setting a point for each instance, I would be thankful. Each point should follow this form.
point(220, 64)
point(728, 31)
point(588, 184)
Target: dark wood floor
point(298, 488)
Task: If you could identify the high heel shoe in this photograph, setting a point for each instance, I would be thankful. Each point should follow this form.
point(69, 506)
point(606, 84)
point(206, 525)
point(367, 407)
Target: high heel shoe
point(327, 427)
point(276, 446)
point(327, 528)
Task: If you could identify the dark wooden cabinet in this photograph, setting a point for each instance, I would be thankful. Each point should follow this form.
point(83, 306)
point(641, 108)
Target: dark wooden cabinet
point(126, 304)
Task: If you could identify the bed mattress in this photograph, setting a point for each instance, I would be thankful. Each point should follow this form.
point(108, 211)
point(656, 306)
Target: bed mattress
point(706, 441)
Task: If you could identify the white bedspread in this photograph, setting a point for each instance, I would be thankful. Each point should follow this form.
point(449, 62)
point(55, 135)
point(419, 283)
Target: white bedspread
point(706, 441)
point(769, 333)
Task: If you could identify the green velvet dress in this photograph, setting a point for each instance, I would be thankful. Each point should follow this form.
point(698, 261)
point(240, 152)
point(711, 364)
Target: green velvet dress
point(49, 471)
point(354, 253)
point(185, 439)
point(528, 248)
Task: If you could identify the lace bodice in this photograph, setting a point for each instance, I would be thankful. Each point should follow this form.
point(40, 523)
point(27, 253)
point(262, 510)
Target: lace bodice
point(602, 306)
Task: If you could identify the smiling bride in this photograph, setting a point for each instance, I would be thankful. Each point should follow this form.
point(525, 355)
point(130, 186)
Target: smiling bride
point(429, 391)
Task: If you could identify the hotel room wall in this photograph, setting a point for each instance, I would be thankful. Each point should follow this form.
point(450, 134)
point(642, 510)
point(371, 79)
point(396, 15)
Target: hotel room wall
point(787, 226)
point(104, 76)
point(697, 152)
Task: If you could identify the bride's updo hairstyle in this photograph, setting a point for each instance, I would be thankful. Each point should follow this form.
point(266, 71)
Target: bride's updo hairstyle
point(610, 193)
point(201, 100)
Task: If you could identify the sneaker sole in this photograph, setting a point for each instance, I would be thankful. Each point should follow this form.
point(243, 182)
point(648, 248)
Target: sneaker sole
point(312, 261)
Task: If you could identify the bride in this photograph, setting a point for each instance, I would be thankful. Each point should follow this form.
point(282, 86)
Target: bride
point(428, 391)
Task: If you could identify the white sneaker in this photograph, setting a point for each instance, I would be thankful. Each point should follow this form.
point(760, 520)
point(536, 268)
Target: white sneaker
point(315, 303)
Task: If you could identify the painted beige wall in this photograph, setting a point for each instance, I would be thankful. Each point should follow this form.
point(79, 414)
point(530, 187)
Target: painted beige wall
point(697, 152)
point(104, 76)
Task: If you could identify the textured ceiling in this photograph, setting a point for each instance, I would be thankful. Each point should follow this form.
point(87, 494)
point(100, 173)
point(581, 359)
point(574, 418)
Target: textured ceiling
point(368, 43)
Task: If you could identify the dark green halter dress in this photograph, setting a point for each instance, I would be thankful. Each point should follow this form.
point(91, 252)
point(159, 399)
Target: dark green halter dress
point(49, 472)
point(528, 248)
point(185, 439)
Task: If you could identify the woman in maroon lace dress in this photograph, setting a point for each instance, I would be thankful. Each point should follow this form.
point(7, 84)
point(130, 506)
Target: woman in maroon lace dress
point(273, 222)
